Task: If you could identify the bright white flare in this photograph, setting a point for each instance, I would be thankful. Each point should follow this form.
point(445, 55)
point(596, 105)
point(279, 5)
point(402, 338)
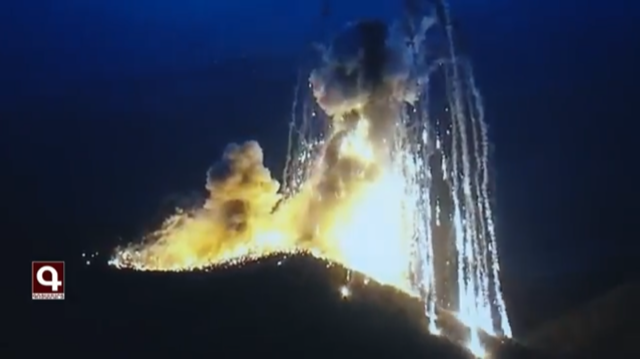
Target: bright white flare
point(389, 207)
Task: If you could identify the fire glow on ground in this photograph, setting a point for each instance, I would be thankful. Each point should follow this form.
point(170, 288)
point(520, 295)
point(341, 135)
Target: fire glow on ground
point(381, 178)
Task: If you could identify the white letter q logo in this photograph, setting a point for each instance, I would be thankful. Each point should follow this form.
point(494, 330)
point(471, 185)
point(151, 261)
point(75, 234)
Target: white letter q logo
point(54, 283)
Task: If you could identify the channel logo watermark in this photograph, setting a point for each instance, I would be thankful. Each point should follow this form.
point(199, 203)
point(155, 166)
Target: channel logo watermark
point(47, 280)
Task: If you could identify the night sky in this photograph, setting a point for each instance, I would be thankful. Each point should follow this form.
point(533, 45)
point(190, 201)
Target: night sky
point(109, 109)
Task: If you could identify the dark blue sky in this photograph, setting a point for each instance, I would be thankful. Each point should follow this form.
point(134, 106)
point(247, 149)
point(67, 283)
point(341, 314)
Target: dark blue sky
point(110, 106)
point(77, 39)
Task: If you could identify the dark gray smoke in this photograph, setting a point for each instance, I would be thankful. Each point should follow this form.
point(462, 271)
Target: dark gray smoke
point(368, 59)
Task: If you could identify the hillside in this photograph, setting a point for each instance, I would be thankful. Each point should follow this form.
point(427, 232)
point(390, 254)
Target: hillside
point(294, 309)
point(607, 325)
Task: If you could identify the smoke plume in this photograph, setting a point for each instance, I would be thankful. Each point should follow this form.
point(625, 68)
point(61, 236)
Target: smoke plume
point(369, 59)
point(234, 221)
point(240, 187)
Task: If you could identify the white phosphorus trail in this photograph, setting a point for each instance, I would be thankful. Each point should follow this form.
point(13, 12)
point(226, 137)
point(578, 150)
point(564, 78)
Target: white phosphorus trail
point(386, 173)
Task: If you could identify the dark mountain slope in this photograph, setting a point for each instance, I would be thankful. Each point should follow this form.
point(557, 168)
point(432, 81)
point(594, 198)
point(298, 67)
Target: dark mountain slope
point(290, 310)
point(607, 325)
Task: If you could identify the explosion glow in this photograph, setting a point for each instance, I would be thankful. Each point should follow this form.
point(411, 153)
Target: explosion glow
point(382, 176)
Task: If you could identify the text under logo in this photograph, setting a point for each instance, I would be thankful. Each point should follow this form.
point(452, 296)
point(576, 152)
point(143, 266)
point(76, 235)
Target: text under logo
point(47, 280)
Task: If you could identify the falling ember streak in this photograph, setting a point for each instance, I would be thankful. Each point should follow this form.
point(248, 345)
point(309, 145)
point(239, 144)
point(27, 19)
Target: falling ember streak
point(480, 244)
point(505, 327)
point(472, 214)
point(464, 209)
point(371, 203)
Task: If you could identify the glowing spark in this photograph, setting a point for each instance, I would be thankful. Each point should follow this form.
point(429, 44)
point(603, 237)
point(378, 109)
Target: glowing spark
point(345, 292)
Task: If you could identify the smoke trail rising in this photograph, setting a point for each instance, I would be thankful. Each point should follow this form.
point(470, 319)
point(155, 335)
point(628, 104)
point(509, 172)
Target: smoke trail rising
point(290, 139)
